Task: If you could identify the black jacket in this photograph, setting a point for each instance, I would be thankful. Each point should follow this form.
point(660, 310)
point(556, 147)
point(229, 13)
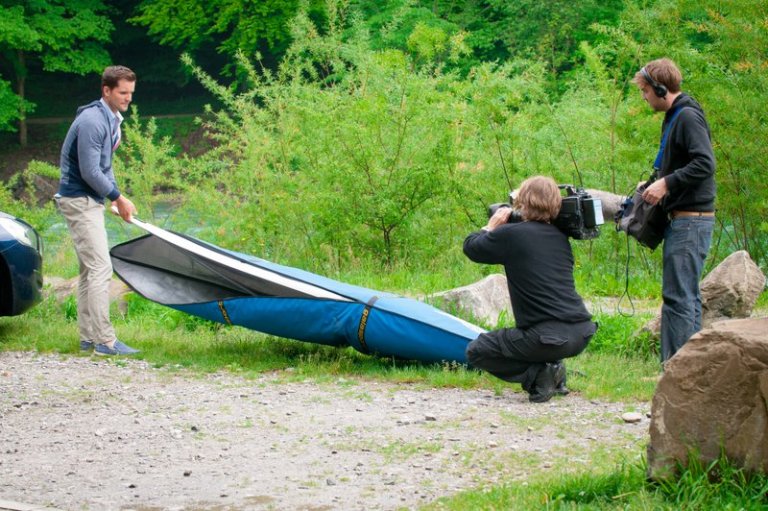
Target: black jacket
point(688, 162)
point(538, 261)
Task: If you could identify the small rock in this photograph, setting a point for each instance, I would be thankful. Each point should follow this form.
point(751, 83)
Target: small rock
point(632, 417)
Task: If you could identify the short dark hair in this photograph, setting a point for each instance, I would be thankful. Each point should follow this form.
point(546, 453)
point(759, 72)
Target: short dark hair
point(114, 74)
point(664, 71)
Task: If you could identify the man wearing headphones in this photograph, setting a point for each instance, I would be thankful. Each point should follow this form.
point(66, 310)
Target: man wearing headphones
point(685, 186)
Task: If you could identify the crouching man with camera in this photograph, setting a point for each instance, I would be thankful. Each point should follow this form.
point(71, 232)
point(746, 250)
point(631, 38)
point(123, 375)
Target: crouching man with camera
point(552, 322)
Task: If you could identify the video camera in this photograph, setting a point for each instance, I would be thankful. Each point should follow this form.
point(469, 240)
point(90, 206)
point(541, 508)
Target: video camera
point(580, 214)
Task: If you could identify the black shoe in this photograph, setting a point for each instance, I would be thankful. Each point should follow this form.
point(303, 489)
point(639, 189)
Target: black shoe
point(560, 388)
point(544, 385)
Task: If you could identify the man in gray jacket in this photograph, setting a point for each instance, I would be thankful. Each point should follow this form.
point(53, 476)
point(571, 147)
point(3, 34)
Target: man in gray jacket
point(87, 179)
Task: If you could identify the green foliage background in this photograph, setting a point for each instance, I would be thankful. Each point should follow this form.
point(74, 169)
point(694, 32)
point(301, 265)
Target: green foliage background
point(363, 140)
point(350, 155)
point(384, 130)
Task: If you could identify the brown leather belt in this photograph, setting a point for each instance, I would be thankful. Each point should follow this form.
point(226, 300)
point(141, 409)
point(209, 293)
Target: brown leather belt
point(678, 214)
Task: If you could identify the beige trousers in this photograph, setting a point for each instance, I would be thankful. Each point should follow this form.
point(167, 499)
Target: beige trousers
point(85, 219)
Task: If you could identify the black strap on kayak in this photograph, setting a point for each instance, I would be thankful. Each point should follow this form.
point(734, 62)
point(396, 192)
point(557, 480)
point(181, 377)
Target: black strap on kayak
point(224, 312)
point(364, 322)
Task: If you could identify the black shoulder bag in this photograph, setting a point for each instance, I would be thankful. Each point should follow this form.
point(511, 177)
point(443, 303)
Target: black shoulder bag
point(638, 218)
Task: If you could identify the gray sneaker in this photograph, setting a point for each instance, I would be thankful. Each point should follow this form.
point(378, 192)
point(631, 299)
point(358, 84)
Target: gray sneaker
point(86, 345)
point(119, 348)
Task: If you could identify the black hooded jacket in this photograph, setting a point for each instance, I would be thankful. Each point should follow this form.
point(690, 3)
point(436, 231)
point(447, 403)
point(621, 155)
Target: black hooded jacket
point(688, 162)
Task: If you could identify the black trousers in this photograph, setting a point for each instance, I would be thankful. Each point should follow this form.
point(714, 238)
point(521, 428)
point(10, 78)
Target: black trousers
point(517, 355)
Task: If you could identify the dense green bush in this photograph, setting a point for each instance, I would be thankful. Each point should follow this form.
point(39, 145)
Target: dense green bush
point(348, 158)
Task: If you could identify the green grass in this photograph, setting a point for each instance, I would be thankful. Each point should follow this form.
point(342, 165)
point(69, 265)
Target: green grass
point(718, 486)
point(618, 365)
point(613, 368)
point(762, 301)
point(622, 335)
point(168, 338)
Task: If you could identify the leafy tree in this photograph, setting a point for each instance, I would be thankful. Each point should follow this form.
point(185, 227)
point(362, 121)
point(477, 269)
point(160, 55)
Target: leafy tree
point(731, 73)
point(10, 107)
point(229, 25)
point(722, 50)
point(552, 31)
point(351, 155)
point(490, 30)
point(381, 154)
point(496, 30)
point(60, 35)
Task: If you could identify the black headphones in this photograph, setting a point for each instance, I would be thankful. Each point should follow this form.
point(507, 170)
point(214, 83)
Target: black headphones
point(659, 89)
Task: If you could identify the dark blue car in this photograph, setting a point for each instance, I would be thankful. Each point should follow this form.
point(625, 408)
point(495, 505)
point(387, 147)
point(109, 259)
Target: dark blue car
point(21, 266)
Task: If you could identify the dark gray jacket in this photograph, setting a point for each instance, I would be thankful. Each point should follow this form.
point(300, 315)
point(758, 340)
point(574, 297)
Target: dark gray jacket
point(86, 156)
point(688, 162)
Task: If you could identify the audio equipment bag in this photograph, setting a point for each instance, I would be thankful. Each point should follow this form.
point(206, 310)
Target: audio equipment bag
point(641, 220)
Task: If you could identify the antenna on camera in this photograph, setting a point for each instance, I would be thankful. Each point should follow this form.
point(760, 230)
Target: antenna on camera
point(501, 156)
point(567, 145)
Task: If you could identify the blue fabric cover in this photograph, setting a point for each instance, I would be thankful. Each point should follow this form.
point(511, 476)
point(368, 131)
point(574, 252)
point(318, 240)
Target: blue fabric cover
point(371, 321)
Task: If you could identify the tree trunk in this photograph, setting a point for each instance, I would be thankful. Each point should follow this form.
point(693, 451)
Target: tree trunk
point(23, 116)
point(21, 81)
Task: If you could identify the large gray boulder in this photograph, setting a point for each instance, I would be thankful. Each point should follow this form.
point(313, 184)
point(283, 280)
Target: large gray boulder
point(730, 291)
point(487, 299)
point(713, 398)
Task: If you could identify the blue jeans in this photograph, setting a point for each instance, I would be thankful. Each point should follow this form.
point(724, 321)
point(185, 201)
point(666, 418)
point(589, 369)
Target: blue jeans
point(686, 243)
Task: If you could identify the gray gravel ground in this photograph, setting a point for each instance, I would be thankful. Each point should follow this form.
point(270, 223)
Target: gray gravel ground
point(88, 433)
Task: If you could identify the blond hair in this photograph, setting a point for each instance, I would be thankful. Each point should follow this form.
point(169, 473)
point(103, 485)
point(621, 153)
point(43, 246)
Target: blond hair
point(539, 199)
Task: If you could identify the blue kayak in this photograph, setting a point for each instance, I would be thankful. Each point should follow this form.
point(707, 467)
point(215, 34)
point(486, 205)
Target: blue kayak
point(204, 280)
